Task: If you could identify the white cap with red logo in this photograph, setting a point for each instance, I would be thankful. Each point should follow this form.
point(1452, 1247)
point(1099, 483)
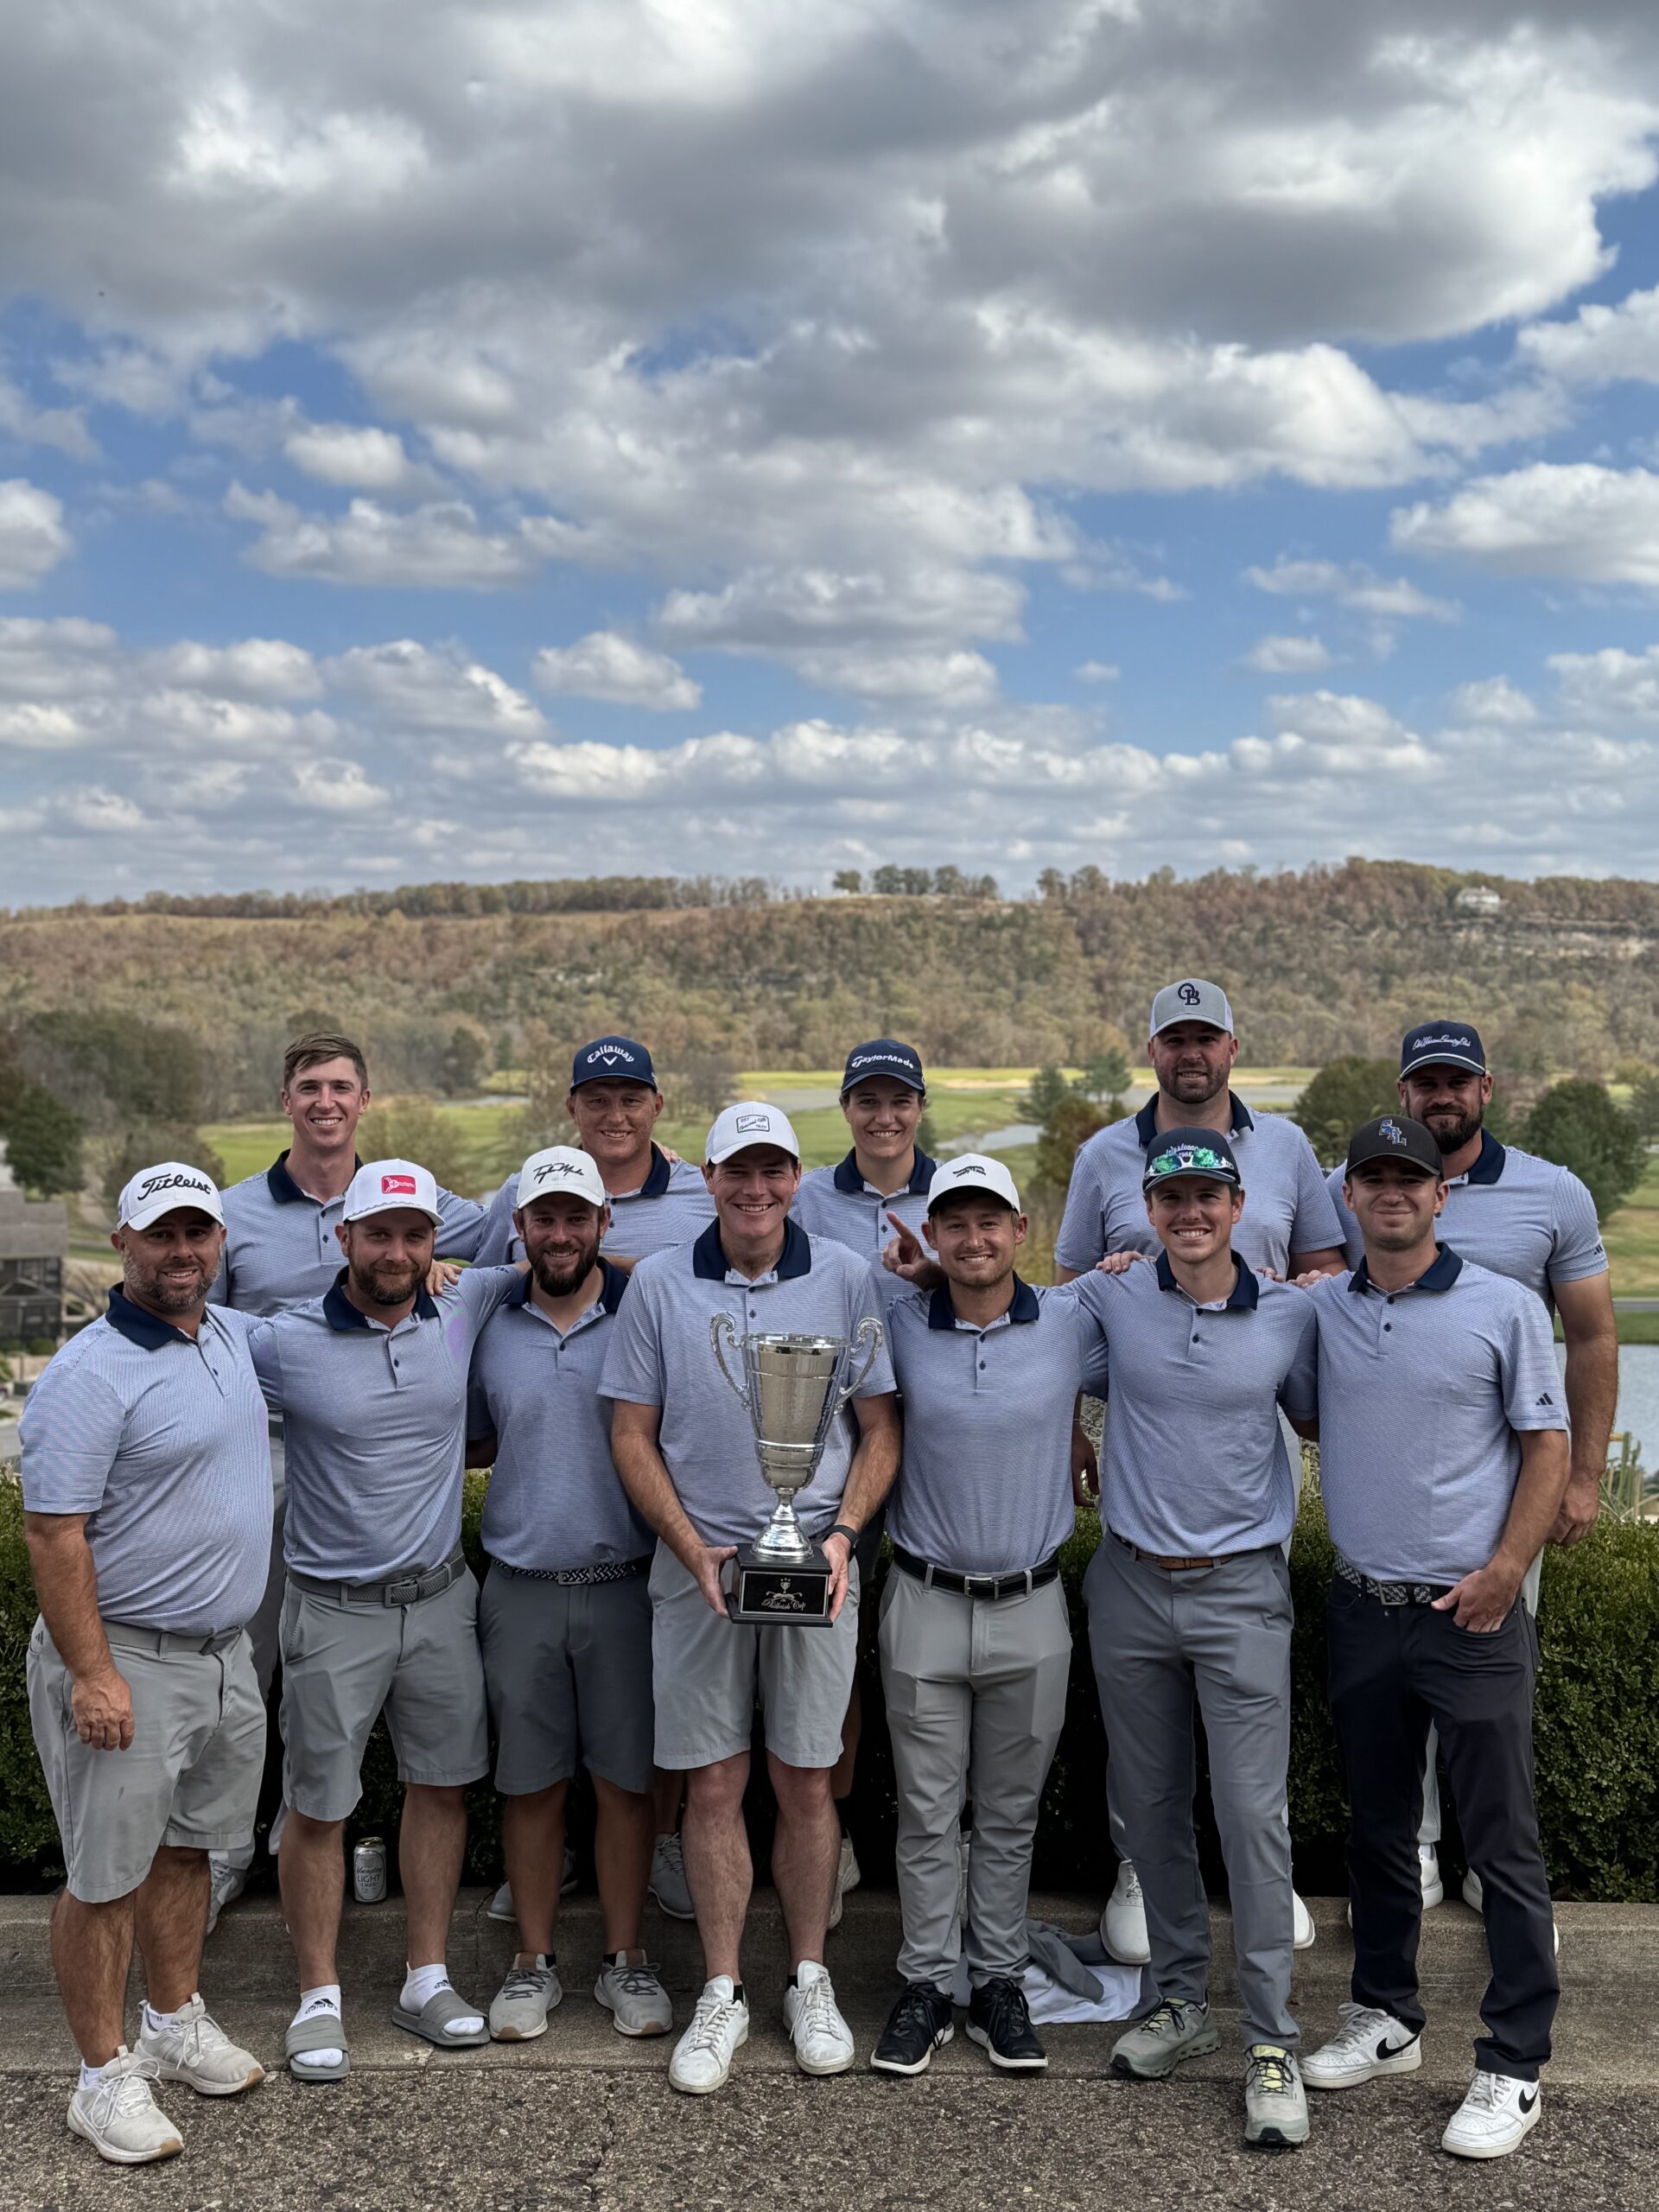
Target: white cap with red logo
point(383, 1185)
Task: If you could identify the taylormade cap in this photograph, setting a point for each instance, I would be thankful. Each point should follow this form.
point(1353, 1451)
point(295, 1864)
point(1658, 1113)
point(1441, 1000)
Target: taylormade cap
point(1192, 1001)
point(883, 1056)
point(1190, 1152)
point(750, 1122)
point(623, 1059)
point(561, 1167)
point(1396, 1136)
point(383, 1185)
point(169, 1187)
point(975, 1173)
point(1442, 1045)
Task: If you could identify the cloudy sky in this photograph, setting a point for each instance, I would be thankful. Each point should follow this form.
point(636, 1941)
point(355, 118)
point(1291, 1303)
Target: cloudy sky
point(593, 436)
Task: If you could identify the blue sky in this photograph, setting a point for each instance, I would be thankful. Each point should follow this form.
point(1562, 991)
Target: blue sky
point(707, 435)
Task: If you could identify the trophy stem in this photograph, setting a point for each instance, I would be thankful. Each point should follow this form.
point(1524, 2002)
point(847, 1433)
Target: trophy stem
point(783, 1537)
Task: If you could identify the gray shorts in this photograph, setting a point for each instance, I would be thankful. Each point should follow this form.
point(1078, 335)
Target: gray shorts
point(567, 1670)
point(190, 1776)
point(345, 1658)
point(707, 1670)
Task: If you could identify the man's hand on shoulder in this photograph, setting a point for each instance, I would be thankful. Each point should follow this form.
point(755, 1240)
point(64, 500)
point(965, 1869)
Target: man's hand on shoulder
point(442, 1276)
point(1119, 1263)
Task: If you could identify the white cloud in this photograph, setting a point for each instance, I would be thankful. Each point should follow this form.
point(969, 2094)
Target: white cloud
point(1098, 671)
point(349, 453)
point(67, 658)
point(439, 544)
point(605, 665)
point(419, 688)
point(336, 787)
point(1600, 345)
point(939, 679)
point(1354, 585)
point(33, 539)
point(1612, 685)
point(102, 812)
point(1576, 520)
point(1287, 656)
point(254, 668)
point(62, 427)
point(26, 727)
point(1493, 699)
point(772, 609)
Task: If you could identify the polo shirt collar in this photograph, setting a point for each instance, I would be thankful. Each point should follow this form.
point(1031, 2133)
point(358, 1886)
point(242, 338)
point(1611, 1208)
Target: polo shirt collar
point(285, 1191)
point(709, 1263)
point(1490, 1165)
point(847, 1177)
point(1244, 1296)
point(340, 1314)
point(657, 1182)
point(1448, 1266)
point(613, 1281)
point(941, 1314)
point(148, 1331)
point(1146, 1121)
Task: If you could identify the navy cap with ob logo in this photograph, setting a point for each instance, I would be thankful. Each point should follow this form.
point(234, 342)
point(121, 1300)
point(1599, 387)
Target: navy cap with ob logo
point(623, 1059)
point(883, 1056)
point(1395, 1136)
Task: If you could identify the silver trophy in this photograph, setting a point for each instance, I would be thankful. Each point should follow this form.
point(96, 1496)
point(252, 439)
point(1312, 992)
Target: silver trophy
point(794, 1387)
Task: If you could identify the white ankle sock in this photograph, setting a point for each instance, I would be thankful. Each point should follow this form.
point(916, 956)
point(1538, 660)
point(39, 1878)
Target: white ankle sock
point(89, 2074)
point(157, 2023)
point(325, 1998)
point(423, 1984)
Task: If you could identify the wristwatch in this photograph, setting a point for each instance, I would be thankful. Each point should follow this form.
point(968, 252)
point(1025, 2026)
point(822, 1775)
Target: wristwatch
point(842, 1529)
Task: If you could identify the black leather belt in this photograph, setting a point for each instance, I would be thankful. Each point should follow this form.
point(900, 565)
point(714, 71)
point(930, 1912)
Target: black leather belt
point(1017, 1584)
point(580, 1578)
point(1390, 1593)
point(398, 1590)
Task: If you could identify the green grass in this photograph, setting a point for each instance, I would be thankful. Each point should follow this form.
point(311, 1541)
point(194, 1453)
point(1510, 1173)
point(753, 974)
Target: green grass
point(1632, 1240)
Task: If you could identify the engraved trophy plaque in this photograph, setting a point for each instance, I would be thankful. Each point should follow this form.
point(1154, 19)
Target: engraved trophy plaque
point(794, 1387)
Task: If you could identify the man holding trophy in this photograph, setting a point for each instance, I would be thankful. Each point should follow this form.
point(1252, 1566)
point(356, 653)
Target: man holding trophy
point(729, 1363)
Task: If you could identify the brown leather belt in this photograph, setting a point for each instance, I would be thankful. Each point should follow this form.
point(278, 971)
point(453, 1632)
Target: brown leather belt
point(1176, 1566)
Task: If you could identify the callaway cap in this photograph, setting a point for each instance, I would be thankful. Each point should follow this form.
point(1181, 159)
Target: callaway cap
point(972, 1172)
point(1191, 1001)
point(561, 1167)
point(751, 1122)
point(1190, 1152)
point(622, 1058)
point(1395, 1136)
point(168, 1188)
point(883, 1056)
point(383, 1185)
point(1442, 1045)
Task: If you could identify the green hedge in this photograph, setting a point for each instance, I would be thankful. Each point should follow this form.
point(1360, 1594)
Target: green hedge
point(1598, 1730)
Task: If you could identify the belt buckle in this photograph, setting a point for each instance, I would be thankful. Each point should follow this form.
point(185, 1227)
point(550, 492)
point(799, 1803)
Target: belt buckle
point(404, 1592)
point(979, 1585)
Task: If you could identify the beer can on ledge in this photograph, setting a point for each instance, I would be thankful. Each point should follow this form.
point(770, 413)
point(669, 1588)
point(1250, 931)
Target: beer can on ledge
point(369, 1871)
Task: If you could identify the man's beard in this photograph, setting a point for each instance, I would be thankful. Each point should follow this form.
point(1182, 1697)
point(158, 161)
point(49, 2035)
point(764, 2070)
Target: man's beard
point(168, 1296)
point(1452, 1136)
point(1196, 1086)
point(558, 1274)
point(387, 1282)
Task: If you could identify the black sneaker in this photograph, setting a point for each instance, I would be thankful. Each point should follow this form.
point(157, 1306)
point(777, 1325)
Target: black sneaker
point(997, 2018)
point(917, 2024)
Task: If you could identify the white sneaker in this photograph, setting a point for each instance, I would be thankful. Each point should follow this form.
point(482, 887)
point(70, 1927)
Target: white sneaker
point(225, 1883)
point(1370, 2041)
point(118, 2115)
point(633, 1996)
point(668, 1883)
point(822, 2040)
point(194, 2048)
point(1428, 1868)
point(1276, 2104)
point(1123, 1923)
point(720, 2028)
point(1474, 1897)
point(519, 2010)
point(1304, 1934)
point(847, 1877)
point(1493, 2117)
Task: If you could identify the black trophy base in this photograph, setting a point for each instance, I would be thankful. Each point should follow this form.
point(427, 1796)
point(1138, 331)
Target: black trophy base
point(780, 1593)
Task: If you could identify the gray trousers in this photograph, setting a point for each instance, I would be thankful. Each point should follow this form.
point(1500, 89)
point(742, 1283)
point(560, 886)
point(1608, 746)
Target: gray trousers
point(1216, 1639)
point(976, 1695)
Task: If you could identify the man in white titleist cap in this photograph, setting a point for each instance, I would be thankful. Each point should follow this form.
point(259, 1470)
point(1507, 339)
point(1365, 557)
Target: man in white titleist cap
point(146, 1476)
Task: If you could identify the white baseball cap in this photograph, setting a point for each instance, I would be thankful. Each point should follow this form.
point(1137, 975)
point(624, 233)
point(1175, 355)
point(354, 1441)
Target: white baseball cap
point(168, 1187)
point(973, 1171)
point(752, 1121)
point(560, 1168)
point(383, 1185)
point(1191, 1001)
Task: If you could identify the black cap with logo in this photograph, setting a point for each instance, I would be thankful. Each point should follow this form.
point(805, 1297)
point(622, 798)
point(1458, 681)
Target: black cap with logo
point(1397, 1137)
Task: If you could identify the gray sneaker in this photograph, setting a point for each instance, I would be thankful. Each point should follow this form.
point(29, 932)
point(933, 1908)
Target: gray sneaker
point(635, 1997)
point(668, 1883)
point(1155, 2046)
point(523, 2001)
point(1275, 2103)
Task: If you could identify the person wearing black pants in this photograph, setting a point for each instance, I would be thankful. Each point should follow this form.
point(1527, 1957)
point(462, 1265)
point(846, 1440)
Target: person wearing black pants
point(1443, 1461)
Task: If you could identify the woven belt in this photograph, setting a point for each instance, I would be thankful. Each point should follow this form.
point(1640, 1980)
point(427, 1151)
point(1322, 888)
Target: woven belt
point(128, 1636)
point(578, 1577)
point(1178, 1565)
point(397, 1590)
point(1390, 1593)
point(1018, 1584)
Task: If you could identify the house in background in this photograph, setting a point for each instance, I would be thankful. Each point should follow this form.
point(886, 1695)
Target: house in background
point(33, 1245)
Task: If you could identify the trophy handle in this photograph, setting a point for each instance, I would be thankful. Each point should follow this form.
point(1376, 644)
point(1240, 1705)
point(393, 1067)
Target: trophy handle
point(723, 1326)
point(869, 1332)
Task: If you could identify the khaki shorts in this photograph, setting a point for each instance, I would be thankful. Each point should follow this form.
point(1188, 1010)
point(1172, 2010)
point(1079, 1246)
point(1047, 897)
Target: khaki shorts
point(707, 1670)
point(568, 1669)
point(190, 1777)
point(345, 1658)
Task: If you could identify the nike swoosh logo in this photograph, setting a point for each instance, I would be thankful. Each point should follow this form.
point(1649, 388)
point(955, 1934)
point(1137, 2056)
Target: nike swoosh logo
point(1387, 2049)
point(1527, 2102)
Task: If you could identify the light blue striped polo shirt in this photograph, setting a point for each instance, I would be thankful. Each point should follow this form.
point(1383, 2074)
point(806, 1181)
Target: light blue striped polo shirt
point(555, 1499)
point(985, 1483)
point(837, 1202)
point(1421, 1393)
point(1287, 1206)
point(1520, 1215)
point(660, 1355)
point(375, 1420)
point(670, 1207)
point(160, 1438)
point(280, 1245)
point(1196, 1462)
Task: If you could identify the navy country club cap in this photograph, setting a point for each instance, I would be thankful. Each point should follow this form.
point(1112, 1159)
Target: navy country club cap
point(623, 1059)
point(1192, 1152)
point(1442, 1045)
point(883, 1056)
point(1395, 1136)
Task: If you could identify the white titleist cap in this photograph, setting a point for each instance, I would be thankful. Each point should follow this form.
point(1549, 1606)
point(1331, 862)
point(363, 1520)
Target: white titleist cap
point(750, 1122)
point(1192, 1001)
point(561, 1167)
point(168, 1188)
point(383, 1185)
point(970, 1171)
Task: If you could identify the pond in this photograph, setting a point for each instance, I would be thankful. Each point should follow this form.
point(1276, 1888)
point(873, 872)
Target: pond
point(1638, 1400)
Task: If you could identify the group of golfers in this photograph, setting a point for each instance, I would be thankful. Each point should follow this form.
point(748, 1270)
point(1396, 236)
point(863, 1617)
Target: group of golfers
point(257, 1457)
